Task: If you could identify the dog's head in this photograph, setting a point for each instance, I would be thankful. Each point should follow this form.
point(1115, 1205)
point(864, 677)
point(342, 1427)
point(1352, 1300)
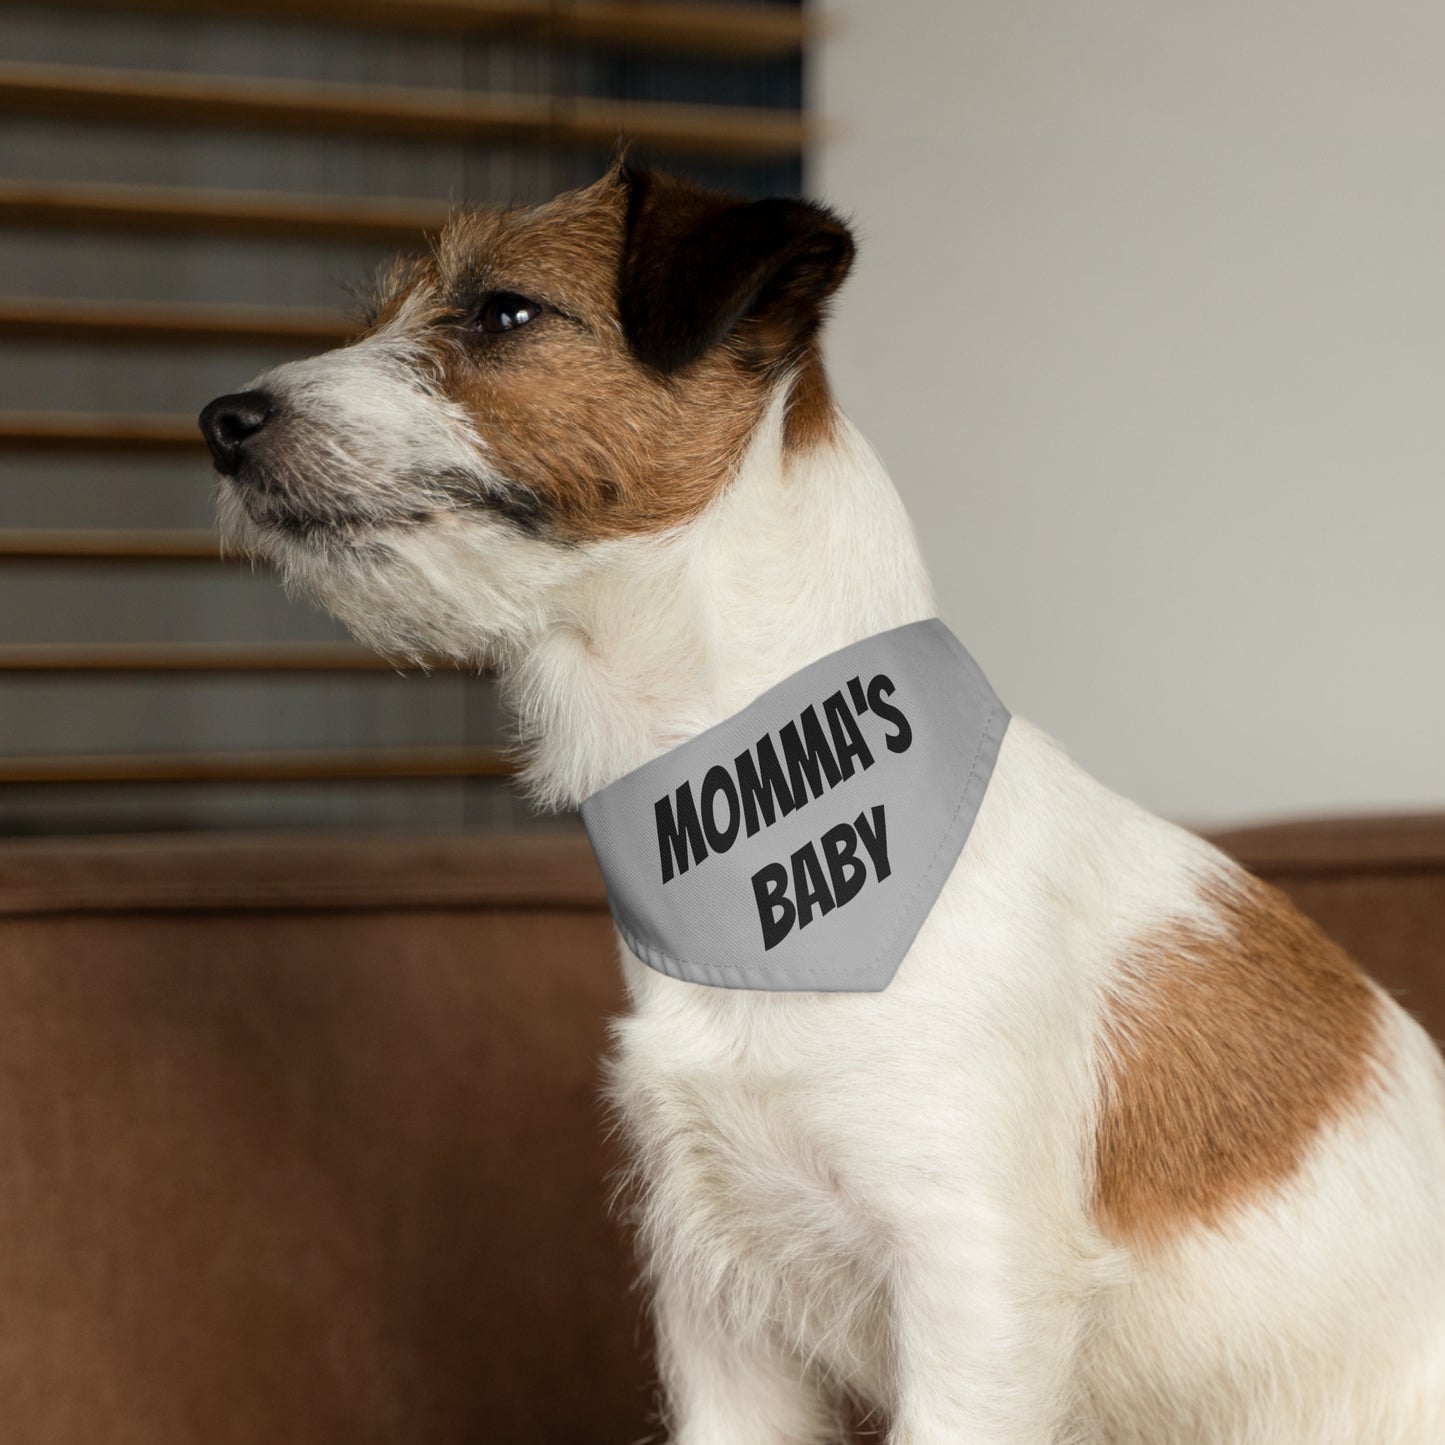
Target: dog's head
point(546, 383)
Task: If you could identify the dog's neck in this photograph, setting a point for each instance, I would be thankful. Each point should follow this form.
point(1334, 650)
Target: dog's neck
point(806, 552)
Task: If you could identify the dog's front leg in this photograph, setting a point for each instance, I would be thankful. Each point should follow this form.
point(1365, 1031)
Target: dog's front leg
point(985, 1340)
point(724, 1389)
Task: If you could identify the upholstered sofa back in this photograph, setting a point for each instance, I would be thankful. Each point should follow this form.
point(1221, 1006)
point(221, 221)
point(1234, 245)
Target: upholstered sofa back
point(300, 1139)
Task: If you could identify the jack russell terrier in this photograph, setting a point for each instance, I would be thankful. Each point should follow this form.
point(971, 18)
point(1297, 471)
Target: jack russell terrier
point(955, 1084)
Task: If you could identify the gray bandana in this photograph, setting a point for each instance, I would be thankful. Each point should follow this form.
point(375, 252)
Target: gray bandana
point(801, 843)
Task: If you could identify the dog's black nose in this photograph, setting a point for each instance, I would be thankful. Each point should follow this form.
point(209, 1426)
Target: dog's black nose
point(229, 422)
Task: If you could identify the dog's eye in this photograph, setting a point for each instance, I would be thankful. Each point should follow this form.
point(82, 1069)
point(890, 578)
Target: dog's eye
point(505, 311)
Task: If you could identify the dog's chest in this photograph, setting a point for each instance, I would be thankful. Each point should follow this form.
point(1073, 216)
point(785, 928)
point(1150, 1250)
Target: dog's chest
point(745, 1170)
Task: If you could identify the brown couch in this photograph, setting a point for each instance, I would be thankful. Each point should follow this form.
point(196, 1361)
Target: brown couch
point(299, 1139)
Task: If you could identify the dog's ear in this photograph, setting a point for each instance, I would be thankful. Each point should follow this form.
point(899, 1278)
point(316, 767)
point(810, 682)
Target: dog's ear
point(698, 267)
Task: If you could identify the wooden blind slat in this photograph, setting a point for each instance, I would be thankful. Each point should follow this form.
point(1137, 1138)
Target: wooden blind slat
point(704, 29)
point(170, 323)
point(223, 102)
point(173, 210)
point(84, 431)
point(355, 764)
point(76, 544)
point(756, 31)
point(187, 657)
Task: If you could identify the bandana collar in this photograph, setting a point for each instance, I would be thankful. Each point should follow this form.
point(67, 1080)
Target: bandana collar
point(800, 844)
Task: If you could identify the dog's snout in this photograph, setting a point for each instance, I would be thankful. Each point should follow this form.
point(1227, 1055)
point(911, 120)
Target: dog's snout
point(229, 422)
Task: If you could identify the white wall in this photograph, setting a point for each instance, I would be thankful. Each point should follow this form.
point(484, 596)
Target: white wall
point(1149, 324)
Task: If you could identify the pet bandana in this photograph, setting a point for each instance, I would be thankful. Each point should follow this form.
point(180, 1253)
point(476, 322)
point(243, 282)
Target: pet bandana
point(801, 843)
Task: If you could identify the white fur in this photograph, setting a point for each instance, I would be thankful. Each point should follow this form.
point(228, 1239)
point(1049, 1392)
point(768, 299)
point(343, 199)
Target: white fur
point(889, 1194)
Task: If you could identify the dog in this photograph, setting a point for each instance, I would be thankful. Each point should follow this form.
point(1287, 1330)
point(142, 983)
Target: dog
point(1126, 1152)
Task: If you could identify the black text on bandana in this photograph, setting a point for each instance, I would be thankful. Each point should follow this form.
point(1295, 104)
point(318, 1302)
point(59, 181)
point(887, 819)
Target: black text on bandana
point(781, 772)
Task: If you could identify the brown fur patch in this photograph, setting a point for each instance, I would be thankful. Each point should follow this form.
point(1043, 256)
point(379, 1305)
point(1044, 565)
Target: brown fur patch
point(592, 441)
point(812, 417)
point(1227, 1052)
point(602, 445)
